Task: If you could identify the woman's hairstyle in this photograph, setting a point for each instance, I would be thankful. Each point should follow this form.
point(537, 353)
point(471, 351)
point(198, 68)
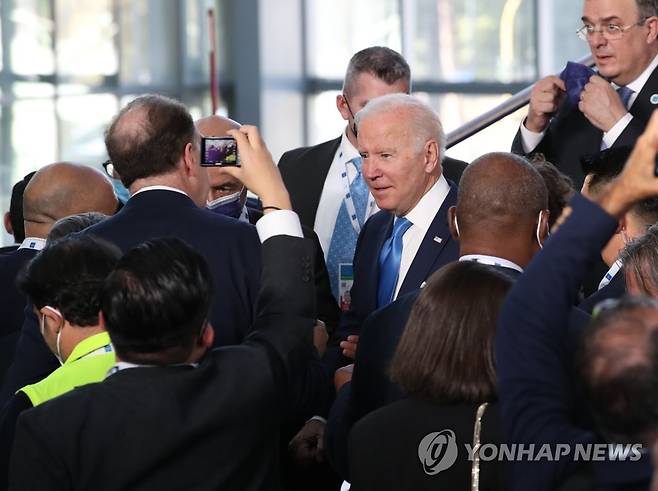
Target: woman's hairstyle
point(445, 354)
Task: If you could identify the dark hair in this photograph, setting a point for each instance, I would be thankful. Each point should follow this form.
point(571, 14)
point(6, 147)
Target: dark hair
point(445, 354)
point(148, 137)
point(384, 63)
point(16, 208)
point(156, 301)
point(618, 363)
point(68, 274)
point(605, 165)
point(647, 8)
point(640, 258)
point(560, 186)
point(74, 223)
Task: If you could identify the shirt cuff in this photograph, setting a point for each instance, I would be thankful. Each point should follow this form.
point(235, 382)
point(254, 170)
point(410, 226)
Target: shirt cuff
point(609, 137)
point(530, 139)
point(280, 222)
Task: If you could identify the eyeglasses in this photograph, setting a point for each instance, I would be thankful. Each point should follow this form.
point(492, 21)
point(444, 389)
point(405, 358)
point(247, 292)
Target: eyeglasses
point(109, 168)
point(611, 32)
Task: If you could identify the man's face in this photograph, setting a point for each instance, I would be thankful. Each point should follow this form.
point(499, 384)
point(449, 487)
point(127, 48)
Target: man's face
point(222, 184)
point(366, 88)
point(620, 60)
point(395, 166)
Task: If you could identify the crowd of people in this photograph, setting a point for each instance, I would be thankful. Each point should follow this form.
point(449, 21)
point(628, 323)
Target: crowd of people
point(382, 317)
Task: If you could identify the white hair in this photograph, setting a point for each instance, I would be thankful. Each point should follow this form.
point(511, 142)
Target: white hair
point(424, 121)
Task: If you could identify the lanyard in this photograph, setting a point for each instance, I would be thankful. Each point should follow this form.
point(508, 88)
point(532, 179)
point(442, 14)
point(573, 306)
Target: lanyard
point(349, 202)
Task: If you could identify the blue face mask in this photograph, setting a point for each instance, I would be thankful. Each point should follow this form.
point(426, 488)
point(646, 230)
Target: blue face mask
point(227, 205)
point(122, 193)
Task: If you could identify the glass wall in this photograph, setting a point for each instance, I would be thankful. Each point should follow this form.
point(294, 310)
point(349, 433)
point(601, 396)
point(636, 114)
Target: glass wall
point(466, 57)
point(67, 66)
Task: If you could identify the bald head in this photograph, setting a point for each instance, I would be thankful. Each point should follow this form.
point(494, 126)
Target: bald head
point(63, 189)
point(498, 205)
point(499, 190)
point(215, 125)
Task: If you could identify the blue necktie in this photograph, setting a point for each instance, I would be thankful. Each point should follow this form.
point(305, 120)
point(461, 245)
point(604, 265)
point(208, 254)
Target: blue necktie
point(625, 95)
point(389, 262)
point(343, 240)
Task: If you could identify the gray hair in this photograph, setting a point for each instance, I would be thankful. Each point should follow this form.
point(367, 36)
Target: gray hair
point(647, 8)
point(424, 121)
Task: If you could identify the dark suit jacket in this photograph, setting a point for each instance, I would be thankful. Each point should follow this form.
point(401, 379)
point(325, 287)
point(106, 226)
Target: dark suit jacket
point(615, 289)
point(328, 310)
point(12, 305)
point(536, 340)
point(570, 135)
point(384, 447)
point(231, 248)
point(430, 256)
point(179, 427)
point(305, 169)
point(371, 387)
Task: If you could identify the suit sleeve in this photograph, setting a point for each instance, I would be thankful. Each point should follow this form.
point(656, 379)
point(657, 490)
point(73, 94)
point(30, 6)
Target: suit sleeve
point(533, 356)
point(34, 464)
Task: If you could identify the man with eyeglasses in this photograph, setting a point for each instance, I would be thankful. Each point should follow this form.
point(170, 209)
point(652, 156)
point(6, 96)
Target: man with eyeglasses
point(614, 105)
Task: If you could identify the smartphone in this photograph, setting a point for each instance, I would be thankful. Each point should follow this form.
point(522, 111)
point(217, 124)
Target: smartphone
point(219, 151)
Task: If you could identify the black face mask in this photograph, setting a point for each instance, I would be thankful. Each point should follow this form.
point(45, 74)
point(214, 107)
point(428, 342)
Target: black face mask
point(353, 127)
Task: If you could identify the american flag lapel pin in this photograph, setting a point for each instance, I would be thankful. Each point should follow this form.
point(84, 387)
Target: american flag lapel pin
point(438, 239)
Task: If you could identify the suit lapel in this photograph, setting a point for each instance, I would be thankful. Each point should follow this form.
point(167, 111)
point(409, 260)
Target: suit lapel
point(308, 180)
point(434, 242)
point(642, 107)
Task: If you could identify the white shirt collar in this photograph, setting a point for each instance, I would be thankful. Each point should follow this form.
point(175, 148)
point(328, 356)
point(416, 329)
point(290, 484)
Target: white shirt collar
point(612, 272)
point(347, 151)
point(159, 188)
point(637, 84)
point(34, 243)
point(492, 261)
point(124, 365)
point(425, 210)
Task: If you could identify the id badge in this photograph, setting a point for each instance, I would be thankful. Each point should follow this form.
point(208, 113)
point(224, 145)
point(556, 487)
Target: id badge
point(345, 280)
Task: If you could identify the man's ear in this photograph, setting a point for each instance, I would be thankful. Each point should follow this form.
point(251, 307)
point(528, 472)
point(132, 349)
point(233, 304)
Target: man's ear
point(544, 228)
point(101, 321)
point(189, 159)
point(452, 220)
point(341, 105)
point(7, 221)
point(432, 156)
point(207, 338)
point(652, 24)
point(51, 321)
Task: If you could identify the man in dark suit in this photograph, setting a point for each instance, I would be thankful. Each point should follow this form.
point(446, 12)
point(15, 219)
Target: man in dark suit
point(55, 191)
point(494, 224)
point(603, 169)
point(228, 196)
point(155, 148)
point(622, 39)
point(401, 141)
point(216, 416)
point(313, 175)
point(540, 335)
point(13, 219)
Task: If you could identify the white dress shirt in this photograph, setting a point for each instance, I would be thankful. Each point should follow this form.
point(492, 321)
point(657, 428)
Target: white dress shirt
point(421, 217)
point(530, 139)
point(492, 261)
point(34, 243)
point(333, 193)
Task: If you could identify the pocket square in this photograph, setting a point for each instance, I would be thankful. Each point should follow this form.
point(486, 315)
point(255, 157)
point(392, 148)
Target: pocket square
point(576, 76)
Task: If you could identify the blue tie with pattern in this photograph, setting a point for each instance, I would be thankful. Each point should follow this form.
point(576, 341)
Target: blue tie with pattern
point(389, 262)
point(343, 240)
point(625, 94)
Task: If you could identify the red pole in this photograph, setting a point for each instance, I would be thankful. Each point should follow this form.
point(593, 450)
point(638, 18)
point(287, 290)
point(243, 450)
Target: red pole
point(214, 94)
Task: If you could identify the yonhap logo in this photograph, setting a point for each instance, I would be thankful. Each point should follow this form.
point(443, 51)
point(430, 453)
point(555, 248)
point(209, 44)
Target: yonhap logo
point(437, 451)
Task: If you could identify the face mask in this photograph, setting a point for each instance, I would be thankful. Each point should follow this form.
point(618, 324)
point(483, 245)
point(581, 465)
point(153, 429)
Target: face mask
point(122, 193)
point(541, 246)
point(227, 205)
point(42, 324)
